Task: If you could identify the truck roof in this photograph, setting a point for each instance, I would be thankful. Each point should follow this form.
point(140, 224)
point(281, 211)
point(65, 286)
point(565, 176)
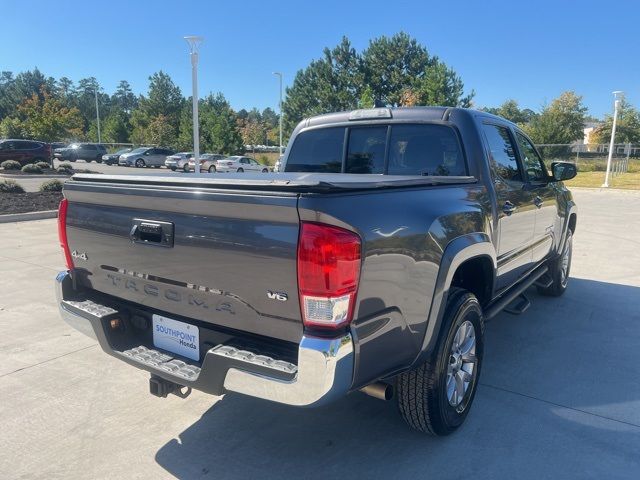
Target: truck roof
point(401, 114)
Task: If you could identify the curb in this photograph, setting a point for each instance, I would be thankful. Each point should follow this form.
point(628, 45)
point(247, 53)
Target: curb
point(25, 217)
point(39, 175)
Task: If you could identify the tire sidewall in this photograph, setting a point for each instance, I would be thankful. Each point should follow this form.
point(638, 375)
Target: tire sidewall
point(463, 306)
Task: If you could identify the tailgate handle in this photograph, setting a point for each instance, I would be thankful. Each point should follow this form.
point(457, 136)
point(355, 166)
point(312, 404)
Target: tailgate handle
point(151, 232)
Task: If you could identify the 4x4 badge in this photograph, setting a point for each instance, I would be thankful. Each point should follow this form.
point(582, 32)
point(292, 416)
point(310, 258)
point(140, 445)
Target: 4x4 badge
point(79, 256)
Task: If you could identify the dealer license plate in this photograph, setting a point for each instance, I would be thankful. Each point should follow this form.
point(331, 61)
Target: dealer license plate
point(176, 337)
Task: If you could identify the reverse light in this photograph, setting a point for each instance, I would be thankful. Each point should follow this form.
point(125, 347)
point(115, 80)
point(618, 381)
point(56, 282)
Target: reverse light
point(328, 274)
point(62, 233)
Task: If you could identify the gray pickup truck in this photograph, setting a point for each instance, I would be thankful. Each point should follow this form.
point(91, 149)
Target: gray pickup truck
point(369, 264)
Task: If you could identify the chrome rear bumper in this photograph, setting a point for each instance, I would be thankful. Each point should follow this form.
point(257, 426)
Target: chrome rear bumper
point(324, 370)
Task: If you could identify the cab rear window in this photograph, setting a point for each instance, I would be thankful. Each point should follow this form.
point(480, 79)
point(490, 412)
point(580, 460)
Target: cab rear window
point(412, 149)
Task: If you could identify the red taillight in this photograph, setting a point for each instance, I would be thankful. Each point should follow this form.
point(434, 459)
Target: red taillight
point(62, 232)
point(328, 274)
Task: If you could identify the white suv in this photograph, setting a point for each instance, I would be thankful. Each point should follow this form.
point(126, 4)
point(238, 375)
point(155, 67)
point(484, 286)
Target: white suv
point(240, 164)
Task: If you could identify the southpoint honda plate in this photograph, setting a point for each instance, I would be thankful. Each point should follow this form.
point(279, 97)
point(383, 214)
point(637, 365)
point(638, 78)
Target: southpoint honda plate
point(176, 337)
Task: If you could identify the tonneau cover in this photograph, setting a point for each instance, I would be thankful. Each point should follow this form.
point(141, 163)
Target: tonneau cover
point(294, 182)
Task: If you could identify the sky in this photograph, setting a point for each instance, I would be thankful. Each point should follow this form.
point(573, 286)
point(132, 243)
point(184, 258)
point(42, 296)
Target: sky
point(528, 51)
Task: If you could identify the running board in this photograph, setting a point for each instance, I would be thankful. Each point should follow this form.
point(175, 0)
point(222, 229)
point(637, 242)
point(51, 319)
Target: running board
point(520, 305)
point(514, 293)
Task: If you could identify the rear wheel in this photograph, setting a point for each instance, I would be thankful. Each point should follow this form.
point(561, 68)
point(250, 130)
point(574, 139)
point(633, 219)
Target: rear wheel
point(140, 163)
point(240, 170)
point(186, 168)
point(212, 169)
point(173, 169)
point(436, 396)
point(559, 270)
point(264, 170)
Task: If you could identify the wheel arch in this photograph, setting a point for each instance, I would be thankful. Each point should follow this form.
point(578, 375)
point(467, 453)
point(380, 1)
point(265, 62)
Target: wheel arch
point(463, 257)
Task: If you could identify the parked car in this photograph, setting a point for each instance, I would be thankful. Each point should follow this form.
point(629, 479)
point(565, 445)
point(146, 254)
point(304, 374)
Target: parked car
point(88, 152)
point(370, 264)
point(57, 145)
point(145, 157)
point(24, 151)
point(240, 164)
point(178, 161)
point(207, 162)
point(113, 158)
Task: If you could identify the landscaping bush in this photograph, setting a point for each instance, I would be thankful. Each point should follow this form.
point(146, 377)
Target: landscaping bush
point(65, 168)
point(10, 186)
point(43, 165)
point(10, 165)
point(53, 185)
point(31, 168)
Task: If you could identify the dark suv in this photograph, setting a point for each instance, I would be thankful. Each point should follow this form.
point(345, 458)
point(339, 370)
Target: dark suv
point(24, 151)
point(81, 151)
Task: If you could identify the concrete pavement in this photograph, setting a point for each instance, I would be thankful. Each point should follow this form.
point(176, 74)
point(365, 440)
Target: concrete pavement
point(559, 394)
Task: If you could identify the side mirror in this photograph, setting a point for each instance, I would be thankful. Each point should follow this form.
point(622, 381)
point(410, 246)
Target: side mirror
point(563, 171)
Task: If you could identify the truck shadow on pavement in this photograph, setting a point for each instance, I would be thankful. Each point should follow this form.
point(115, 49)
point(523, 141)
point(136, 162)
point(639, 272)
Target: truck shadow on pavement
point(551, 401)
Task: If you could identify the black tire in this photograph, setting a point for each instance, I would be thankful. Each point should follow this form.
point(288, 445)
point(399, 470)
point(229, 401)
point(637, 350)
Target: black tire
point(240, 170)
point(173, 169)
point(140, 163)
point(559, 275)
point(186, 168)
point(422, 392)
point(265, 170)
point(212, 169)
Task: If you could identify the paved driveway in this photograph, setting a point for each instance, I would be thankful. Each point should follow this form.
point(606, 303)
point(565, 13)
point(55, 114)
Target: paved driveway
point(559, 394)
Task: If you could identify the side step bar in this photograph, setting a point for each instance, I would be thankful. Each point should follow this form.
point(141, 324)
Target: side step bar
point(514, 293)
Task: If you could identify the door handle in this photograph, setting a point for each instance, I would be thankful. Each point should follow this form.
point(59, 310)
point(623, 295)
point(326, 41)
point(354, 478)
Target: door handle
point(538, 201)
point(509, 207)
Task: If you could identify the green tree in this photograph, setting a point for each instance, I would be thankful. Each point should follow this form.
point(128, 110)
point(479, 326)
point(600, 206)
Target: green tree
point(116, 127)
point(11, 127)
point(331, 83)
point(512, 112)
point(219, 127)
point(560, 122)
point(160, 131)
point(44, 117)
point(627, 126)
point(124, 98)
point(395, 70)
point(164, 100)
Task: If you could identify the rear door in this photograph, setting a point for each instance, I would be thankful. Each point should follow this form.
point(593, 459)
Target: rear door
point(516, 209)
point(544, 197)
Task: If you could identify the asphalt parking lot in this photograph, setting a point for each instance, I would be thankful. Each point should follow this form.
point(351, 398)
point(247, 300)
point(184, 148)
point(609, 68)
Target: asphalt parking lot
point(559, 394)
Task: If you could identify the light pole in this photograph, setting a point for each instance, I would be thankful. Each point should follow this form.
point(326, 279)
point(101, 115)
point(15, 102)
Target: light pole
point(95, 91)
point(279, 74)
point(194, 43)
point(616, 103)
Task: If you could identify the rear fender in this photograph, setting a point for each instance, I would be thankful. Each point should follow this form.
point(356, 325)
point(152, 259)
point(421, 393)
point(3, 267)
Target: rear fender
point(459, 250)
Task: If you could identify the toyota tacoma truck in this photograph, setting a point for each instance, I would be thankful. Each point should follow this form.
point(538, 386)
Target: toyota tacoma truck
point(370, 263)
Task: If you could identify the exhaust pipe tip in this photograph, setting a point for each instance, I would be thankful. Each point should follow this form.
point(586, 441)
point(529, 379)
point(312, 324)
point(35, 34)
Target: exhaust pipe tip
point(379, 390)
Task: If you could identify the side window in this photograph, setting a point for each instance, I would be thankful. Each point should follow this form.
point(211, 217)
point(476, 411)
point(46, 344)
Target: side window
point(425, 150)
point(533, 164)
point(503, 161)
point(366, 150)
point(20, 145)
point(318, 150)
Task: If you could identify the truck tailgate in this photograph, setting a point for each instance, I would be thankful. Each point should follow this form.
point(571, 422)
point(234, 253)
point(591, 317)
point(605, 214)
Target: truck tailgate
point(230, 261)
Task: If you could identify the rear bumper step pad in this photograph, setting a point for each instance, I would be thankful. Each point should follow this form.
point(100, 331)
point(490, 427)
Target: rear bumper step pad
point(324, 371)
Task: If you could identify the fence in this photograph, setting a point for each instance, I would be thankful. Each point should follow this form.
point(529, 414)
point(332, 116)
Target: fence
point(592, 157)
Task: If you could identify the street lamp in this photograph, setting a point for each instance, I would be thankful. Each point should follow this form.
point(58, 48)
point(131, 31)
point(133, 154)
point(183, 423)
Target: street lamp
point(194, 43)
point(279, 74)
point(616, 103)
point(95, 91)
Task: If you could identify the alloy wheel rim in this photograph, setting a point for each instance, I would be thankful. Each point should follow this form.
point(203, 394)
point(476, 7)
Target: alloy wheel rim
point(461, 364)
